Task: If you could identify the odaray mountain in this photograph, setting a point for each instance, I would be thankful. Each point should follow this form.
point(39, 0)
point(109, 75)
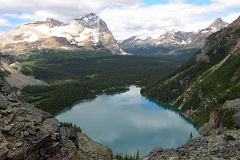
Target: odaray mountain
point(88, 32)
point(169, 41)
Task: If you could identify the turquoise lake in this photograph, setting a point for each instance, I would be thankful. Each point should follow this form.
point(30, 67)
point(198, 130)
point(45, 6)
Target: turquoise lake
point(128, 122)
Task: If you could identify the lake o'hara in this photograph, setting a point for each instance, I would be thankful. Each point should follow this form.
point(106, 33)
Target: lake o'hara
point(128, 122)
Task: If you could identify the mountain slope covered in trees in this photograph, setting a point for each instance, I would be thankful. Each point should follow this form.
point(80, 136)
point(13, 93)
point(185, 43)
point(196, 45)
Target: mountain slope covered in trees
point(207, 81)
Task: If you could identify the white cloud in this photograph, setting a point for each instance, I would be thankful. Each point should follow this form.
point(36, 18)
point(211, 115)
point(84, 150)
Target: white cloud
point(231, 17)
point(4, 22)
point(131, 20)
point(67, 8)
point(124, 17)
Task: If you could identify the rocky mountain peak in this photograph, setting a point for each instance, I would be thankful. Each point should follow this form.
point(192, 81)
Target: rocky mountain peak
point(53, 22)
point(221, 41)
point(89, 32)
point(218, 24)
point(92, 21)
point(50, 22)
point(172, 37)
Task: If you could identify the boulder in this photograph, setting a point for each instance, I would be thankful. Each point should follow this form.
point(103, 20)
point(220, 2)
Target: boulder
point(70, 133)
point(7, 128)
point(1, 82)
point(236, 119)
point(51, 125)
point(12, 97)
point(35, 114)
point(3, 151)
point(232, 104)
point(6, 89)
point(228, 137)
point(41, 141)
point(203, 57)
point(17, 154)
point(91, 150)
point(204, 130)
point(50, 150)
point(3, 102)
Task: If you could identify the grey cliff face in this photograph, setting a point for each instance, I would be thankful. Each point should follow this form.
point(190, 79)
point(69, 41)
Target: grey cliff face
point(29, 133)
point(93, 21)
point(221, 144)
point(218, 24)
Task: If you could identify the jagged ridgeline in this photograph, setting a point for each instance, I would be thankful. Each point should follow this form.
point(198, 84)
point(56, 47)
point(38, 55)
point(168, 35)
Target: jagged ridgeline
point(87, 32)
point(170, 43)
point(207, 80)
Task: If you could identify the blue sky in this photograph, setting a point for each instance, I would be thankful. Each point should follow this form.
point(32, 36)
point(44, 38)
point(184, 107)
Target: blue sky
point(124, 17)
point(151, 2)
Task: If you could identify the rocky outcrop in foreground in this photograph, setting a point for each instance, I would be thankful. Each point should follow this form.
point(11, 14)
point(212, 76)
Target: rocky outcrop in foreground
point(29, 133)
point(91, 150)
point(235, 106)
point(214, 144)
point(220, 144)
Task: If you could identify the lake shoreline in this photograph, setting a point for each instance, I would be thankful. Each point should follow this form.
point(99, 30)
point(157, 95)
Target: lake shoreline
point(118, 106)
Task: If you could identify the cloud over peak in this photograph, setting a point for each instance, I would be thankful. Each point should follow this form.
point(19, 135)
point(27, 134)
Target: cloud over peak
point(124, 17)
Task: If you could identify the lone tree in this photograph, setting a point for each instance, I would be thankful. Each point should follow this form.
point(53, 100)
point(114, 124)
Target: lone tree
point(191, 135)
point(137, 155)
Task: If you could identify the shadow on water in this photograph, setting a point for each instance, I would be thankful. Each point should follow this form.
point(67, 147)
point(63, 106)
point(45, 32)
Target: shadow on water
point(172, 109)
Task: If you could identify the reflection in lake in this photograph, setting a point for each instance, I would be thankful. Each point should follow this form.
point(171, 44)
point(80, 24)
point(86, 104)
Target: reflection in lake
point(129, 122)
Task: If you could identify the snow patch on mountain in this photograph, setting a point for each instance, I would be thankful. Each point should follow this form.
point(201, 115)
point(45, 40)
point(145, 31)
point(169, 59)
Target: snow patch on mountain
point(89, 32)
point(172, 37)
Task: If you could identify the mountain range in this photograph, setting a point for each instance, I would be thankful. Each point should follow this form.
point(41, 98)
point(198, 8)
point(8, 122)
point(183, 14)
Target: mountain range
point(88, 32)
point(169, 41)
point(91, 32)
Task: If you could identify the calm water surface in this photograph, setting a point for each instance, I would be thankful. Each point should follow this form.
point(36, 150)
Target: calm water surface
point(129, 122)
